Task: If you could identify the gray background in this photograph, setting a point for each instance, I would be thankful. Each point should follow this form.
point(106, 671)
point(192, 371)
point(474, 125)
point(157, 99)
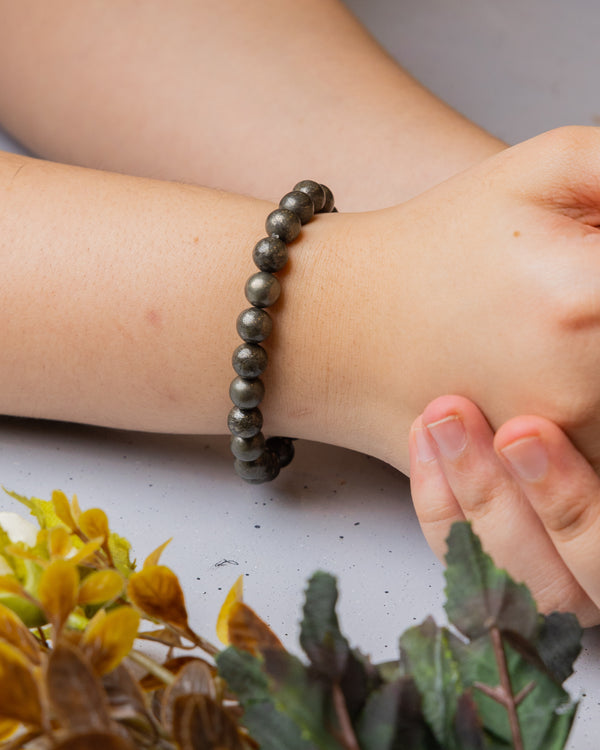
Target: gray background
point(516, 68)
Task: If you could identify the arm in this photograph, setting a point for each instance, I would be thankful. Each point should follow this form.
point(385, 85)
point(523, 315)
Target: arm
point(248, 97)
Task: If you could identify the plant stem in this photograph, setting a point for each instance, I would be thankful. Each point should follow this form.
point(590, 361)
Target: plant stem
point(347, 736)
point(149, 664)
point(509, 701)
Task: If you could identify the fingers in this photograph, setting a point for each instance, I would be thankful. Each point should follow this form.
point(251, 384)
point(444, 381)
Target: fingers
point(465, 478)
point(562, 488)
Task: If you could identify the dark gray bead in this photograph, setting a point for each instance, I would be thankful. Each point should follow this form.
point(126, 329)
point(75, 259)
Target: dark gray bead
point(263, 469)
point(246, 393)
point(262, 289)
point(283, 447)
point(314, 191)
point(300, 203)
point(244, 423)
point(284, 224)
point(248, 449)
point(270, 254)
point(254, 325)
point(329, 200)
point(249, 360)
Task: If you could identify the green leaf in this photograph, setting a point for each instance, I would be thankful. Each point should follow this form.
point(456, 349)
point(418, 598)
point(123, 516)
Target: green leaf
point(481, 596)
point(545, 715)
point(392, 719)
point(119, 549)
point(320, 634)
point(271, 728)
point(359, 679)
point(280, 680)
point(559, 643)
point(42, 510)
point(428, 656)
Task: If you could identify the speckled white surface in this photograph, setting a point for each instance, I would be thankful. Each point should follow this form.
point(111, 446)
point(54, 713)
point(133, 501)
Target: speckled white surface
point(517, 68)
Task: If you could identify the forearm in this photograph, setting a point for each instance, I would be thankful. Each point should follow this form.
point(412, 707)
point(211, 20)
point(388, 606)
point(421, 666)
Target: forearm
point(120, 295)
point(248, 97)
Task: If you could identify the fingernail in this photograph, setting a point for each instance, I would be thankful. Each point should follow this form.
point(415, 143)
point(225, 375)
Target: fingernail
point(528, 457)
point(425, 452)
point(450, 435)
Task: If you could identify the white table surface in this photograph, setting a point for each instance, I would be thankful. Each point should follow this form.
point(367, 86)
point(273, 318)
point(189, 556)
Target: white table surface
point(517, 68)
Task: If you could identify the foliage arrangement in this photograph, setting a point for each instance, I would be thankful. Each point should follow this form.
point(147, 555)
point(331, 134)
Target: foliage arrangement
point(73, 606)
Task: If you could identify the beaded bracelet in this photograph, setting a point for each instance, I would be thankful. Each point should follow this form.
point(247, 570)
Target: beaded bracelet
point(258, 460)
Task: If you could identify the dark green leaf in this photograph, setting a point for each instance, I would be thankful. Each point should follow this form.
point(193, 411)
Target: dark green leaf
point(392, 719)
point(479, 595)
point(467, 724)
point(429, 659)
point(545, 715)
point(279, 695)
point(559, 643)
point(320, 635)
point(359, 679)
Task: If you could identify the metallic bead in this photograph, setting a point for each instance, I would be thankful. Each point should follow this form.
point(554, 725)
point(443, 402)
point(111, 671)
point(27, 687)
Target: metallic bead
point(283, 447)
point(270, 254)
point(300, 203)
point(262, 289)
point(314, 191)
point(248, 449)
point(244, 423)
point(263, 469)
point(329, 200)
point(254, 325)
point(249, 360)
point(246, 393)
point(284, 224)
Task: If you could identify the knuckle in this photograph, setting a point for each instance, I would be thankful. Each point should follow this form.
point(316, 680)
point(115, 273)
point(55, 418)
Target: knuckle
point(567, 519)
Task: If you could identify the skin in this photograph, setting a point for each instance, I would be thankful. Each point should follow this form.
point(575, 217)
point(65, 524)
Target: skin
point(98, 327)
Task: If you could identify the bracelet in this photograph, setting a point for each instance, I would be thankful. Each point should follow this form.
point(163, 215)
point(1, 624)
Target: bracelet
point(258, 460)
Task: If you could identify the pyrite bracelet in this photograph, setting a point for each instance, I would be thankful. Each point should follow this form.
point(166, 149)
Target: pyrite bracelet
point(258, 460)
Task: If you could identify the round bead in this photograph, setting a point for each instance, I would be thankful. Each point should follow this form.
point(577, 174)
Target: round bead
point(262, 289)
point(329, 200)
point(300, 203)
point(263, 469)
point(314, 191)
point(284, 224)
point(246, 393)
point(254, 325)
point(283, 447)
point(270, 254)
point(244, 423)
point(249, 360)
point(248, 449)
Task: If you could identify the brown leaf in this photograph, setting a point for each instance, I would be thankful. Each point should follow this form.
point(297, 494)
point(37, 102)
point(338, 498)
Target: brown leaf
point(15, 632)
point(88, 550)
point(94, 523)
point(249, 633)
point(201, 724)
point(95, 741)
point(75, 692)
point(157, 592)
point(19, 695)
point(150, 682)
point(154, 557)
point(124, 693)
point(11, 585)
point(109, 637)
point(194, 678)
point(100, 586)
point(7, 728)
point(59, 542)
point(63, 509)
point(58, 590)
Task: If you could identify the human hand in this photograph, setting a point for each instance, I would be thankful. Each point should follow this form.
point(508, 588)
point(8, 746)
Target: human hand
point(488, 285)
point(532, 498)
